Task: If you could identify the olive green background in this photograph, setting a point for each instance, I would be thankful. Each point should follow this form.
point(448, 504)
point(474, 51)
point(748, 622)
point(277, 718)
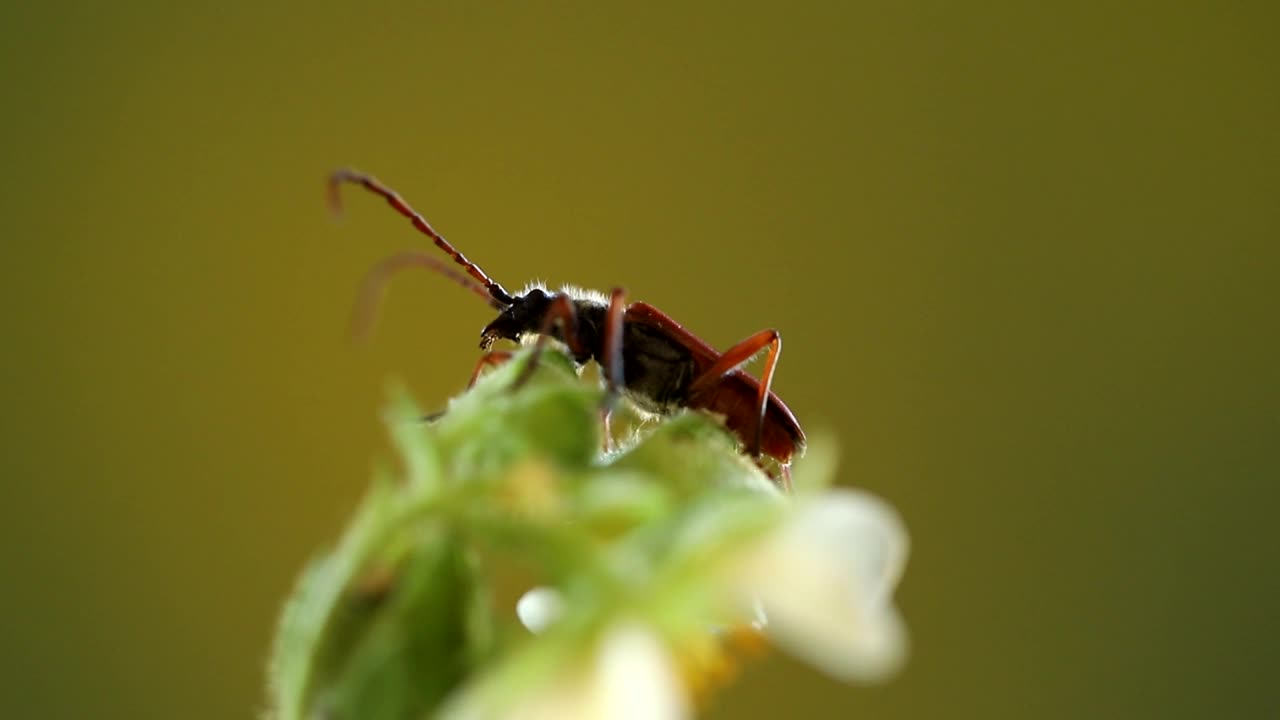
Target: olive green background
point(1023, 257)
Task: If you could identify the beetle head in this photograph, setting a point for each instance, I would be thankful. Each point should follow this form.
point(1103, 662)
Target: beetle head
point(523, 316)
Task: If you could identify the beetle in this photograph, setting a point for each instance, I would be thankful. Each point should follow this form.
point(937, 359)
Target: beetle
point(642, 352)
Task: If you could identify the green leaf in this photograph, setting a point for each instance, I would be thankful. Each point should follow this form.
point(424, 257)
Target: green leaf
point(400, 649)
point(415, 604)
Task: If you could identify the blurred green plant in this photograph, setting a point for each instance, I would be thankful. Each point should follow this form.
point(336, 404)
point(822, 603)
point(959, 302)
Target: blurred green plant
point(637, 571)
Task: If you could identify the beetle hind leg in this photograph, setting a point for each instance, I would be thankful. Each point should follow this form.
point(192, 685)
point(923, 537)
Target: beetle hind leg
point(734, 358)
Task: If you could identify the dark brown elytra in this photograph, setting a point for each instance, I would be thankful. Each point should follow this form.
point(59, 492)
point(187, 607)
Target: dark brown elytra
point(642, 352)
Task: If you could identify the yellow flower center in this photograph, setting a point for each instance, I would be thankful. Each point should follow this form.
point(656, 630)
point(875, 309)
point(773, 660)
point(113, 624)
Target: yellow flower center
point(711, 661)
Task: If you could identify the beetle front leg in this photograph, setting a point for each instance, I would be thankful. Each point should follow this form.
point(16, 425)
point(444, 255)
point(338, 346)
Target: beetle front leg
point(492, 358)
point(561, 311)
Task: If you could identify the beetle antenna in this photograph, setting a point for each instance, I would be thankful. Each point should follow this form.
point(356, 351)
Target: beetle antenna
point(373, 185)
point(374, 286)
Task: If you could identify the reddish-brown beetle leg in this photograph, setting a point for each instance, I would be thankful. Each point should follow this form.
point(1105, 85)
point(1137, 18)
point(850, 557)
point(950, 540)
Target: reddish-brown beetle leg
point(612, 361)
point(612, 355)
point(489, 359)
point(734, 358)
point(493, 358)
point(561, 311)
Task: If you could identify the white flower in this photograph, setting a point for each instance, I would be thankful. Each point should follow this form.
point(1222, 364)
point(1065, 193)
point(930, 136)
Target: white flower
point(630, 676)
point(819, 583)
point(815, 575)
point(825, 579)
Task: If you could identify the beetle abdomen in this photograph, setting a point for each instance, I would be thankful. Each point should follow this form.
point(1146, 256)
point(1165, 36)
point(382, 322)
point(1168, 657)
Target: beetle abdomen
point(655, 370)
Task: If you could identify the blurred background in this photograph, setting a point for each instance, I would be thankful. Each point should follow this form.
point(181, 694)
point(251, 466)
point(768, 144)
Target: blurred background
point(1023, 258)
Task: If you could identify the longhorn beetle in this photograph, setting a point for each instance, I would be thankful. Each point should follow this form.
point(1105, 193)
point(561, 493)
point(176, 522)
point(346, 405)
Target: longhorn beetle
point(642, 352)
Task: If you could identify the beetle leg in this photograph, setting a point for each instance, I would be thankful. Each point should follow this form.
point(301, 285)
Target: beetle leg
point(612, 353)
point(734, 358)
point(561, 311)
point(612, 356)
point(489, 359)
point(493, 358)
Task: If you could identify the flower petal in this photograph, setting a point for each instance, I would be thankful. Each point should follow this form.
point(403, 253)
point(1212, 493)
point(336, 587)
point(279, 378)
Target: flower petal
point(631, 676)
point(638, 677)
point(826, 578)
